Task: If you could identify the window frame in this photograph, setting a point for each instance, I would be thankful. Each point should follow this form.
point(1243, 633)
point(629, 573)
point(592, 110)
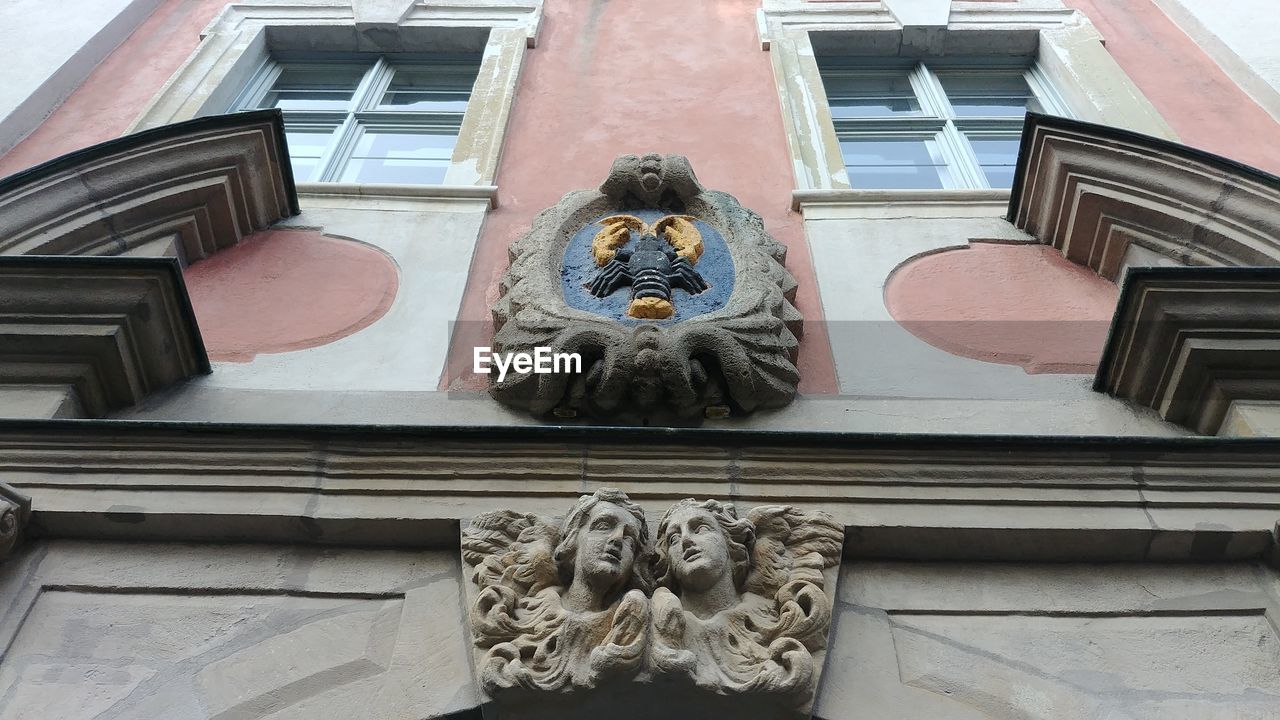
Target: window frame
point(361, 113)
point(234, 45)
point(1066, 48)
point(936, 118)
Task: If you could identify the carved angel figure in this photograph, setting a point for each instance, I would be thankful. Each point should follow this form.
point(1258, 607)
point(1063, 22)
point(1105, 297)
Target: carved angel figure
point(741, 607)
point(560, 609)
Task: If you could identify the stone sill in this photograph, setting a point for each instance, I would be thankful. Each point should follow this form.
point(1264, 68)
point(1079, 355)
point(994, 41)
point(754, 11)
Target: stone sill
point(849, 203)
point(381, 194)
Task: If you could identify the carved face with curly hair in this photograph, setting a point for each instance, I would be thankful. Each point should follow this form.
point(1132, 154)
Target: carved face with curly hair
point(703, 546)
point(599, 544)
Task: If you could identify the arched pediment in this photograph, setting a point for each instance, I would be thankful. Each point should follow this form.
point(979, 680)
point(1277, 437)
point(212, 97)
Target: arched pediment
point(1094, 192)
point(1199, 344)
point(203, 185)
point(100, 333)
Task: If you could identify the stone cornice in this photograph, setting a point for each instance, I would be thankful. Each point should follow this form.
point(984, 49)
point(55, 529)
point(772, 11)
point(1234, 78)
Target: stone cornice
point(114, 329)
point(1092, 190)
point(1187, 342)
point(970, 497)
point(203, 184)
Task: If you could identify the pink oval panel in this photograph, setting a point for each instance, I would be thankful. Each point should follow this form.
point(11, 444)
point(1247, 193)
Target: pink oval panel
point(1005, 303)
point(282, 290)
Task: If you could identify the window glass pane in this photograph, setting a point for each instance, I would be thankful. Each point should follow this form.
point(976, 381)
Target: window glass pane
point(894, 163)
point(304, 168)
point(314, 87)
point(998, 156)
point(437, 88)
point(307, 142)
point(988, 94)
point(399, 156)
point(852, 96)
point(306, 146)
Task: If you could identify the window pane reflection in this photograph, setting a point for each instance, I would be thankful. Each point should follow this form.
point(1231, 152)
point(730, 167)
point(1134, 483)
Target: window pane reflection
point(895, 163)
point(989, 94)
point(323, 87)
point(998, 157)
point(399, 156)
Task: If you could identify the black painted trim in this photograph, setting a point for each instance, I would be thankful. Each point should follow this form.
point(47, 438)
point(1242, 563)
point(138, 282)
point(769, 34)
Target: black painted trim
point(920, 444)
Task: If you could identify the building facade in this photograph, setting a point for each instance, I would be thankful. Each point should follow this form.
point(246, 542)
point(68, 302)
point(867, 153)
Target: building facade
point(961, 311)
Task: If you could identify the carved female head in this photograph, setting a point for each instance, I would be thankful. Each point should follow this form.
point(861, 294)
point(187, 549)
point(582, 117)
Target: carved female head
point(699, 542)
point(602, 538)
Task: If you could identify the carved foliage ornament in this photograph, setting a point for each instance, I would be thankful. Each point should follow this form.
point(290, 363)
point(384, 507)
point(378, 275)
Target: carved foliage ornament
point(733, 606)
point(674, 296)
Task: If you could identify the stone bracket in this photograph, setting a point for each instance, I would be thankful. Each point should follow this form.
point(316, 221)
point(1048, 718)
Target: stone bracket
point(1188, 342)
point(114, 329)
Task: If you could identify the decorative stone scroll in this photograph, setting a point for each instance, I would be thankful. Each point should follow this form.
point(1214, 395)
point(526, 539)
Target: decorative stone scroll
point(714, 605)
point(674, 297)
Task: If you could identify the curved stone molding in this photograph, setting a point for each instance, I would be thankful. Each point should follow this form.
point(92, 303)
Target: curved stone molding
point(711, 332)
point(200, 185)
point(110, 329)
point(740, 613)
point(1094, 192)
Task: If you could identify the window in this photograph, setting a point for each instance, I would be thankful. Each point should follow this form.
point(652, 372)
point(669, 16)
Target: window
point(368, 121)
point(945, 126)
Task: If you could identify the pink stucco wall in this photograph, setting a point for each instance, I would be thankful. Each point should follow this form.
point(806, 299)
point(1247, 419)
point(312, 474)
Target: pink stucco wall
point(120, 87)
point(1016, 304)
point(1198, 99)
point(668, 76)
point(281, 290)
point(614, 77)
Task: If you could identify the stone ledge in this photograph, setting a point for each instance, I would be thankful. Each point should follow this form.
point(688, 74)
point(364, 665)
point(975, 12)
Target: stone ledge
point(849, 203)
point(381, 194)
point(1187, 342)
point(113, 329)
point(912, 497)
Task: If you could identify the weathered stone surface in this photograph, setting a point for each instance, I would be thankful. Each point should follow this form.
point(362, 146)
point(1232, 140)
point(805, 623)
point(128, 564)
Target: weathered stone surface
point(110, 331)
point(1097, 193)
point(735, 356)
point(1190, 342)
point(15, 512)
point(741, 610)
point(166, 631)
point(987, 641)
point(557, 609)
point(209, 182)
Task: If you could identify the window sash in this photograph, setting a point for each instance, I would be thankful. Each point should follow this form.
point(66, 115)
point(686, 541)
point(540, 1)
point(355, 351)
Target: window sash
point(955, 132)
point(327, 160)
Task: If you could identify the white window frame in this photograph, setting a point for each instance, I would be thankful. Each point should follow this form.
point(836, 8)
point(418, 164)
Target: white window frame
point(362, 113)
point(245, 35)
point(938, 120)
point(1063, 45)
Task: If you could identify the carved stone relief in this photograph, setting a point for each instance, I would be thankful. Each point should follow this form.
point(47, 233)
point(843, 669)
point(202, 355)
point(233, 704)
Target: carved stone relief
point(674, 297)
point(15, 510)
point(714, 604)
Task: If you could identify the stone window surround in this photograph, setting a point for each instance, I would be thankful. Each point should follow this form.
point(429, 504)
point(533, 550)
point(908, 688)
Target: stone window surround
point(236, 43)
point(1064, 44)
